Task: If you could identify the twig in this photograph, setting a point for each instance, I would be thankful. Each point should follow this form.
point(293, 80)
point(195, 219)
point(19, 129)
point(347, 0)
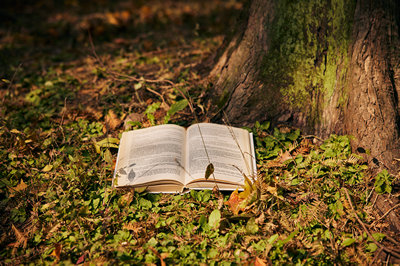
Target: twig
point(387, 260)
point(386, 213)
point(94, 50)
point(12, 80)
point(369, 196)
point(392, 240)
point(226, 120)
point(190, 104)
point(373, 204)
point(116, 74)
point(376, 257)
point(390, 251)
point(312, 136)
point(156, 93)
point(13, 77)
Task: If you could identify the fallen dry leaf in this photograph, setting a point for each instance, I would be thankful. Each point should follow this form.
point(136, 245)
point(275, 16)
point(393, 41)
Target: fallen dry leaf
point(234, 202)
point(57, 251)
point(112, 19)
point(259, 262)
point(260, 219)
point(20, 187)
point(21, 239)
point(112, 120)
point(81, 259)
point(285, 156)
point(96, 113)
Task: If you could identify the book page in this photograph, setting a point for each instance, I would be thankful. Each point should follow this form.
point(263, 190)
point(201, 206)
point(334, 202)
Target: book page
point(151, 154)
point(223, 152)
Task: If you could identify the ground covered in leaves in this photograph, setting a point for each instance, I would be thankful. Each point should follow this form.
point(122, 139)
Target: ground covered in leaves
point(75, 75)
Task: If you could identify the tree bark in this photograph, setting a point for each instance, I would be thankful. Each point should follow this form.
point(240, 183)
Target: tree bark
point(372, 113)
point(323, 67)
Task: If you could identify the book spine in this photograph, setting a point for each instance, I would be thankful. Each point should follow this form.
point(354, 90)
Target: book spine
point(253, 155)
point(115, 169)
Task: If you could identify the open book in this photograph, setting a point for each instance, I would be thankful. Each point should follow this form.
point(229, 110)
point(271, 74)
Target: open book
point(170, 158)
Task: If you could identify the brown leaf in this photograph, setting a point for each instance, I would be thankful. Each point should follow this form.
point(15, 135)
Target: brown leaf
point(127, 198)
point(20, 187)
point(209, 171)
point(234, 202)
point(259, 262)
point(57, 251)
point(21, 238)
point(285, 156)
point(274, 164)
point(121, 41)
point(96, 113)
point(278, 162)
point(147, 45)
point(260, 219)
point(145, 13)
point(112, 19)
point(81, 259)
point(112, 120)
point(160, 113)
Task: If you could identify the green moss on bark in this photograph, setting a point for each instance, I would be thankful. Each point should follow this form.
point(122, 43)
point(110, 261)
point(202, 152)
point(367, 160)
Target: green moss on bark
point(307, 60)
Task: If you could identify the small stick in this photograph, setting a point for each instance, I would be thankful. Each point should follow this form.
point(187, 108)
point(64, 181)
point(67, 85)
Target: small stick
point(158, 94)
point(369, 196)
point(373, 204)
point(12, 80)
point(386, 213)
point(376, 257)
point(225, 119)
point(13, 77)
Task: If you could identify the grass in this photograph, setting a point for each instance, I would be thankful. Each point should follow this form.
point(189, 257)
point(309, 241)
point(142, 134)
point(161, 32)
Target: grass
point(68, 96)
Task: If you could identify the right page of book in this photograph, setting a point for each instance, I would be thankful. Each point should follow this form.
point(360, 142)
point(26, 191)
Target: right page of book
point(227, 148)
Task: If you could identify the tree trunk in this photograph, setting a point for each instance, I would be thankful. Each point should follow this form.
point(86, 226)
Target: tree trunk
point(323, 66)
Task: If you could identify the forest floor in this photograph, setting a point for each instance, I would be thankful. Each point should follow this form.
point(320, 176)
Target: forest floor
point(75, 74)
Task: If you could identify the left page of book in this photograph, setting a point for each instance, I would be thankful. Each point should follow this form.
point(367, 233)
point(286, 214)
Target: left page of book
point(151, 157)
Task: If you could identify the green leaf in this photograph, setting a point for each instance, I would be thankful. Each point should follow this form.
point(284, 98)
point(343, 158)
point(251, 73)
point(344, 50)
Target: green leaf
point(152, 242)
point(108, 157)
point(214, 219)
point(348, 241)
point(383, 182)
point(371, 247)
point(145, 204)
point(96, 203)
point(251, 226)
point(176, 107)
point(47, 168)
point(289, 238)
point(273, 238)
point(377, 236)
point(151, 109)
point(108, 143)
point(202, 220)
